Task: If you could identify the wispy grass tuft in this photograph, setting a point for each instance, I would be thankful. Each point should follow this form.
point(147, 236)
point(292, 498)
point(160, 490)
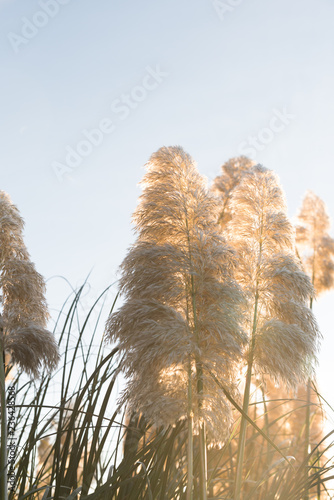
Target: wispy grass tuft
point(66, 444)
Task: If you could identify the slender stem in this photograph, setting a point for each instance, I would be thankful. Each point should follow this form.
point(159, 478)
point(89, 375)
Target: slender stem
point(243, 426)
point(3, 441)
point(307, 432)
point(267, 431)
point(199, 376)
point(190, 451)
point(202, 432)
point(318, 485)
point(202, 436)
point(203, 461)
point(308, 415)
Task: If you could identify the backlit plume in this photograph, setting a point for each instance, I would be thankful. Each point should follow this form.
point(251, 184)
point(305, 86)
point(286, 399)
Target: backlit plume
point(224, 184)
point(182, 306)
point(24, 310)
point(316, 246)
point(283, 331)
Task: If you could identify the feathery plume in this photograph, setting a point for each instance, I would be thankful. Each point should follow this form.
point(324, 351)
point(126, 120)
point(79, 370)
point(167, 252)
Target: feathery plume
point(24, 309)
point(317, 254)
point(224, 184)
point(317, 247)
point(182, 309)
point(272, 277)
point(283, 335)
point(181, 299)
point(23, 315)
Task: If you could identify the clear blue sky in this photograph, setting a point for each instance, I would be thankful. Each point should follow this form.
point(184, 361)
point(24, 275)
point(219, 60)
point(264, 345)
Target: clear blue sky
point(155, 73)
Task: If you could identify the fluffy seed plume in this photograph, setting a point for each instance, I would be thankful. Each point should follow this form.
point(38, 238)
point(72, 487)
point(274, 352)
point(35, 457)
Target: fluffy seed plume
point(315, 244)
point(283, 334)
point(182, 305)
point(284, 331)
point(224, 184)
point(24, 310)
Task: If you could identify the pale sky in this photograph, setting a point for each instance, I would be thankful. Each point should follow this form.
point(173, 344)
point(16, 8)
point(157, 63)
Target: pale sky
point(219, 79)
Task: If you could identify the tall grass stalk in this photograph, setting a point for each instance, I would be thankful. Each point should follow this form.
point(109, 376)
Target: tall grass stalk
point(182, 304)
point(24, 314)
point(243, 427)
point(281, 325)
point(190, 447)
point(317, 253)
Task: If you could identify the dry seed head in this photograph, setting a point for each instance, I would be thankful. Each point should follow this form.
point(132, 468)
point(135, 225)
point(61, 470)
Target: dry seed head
point(286, 333)
point(316, 246)
point(259, 211)
point(182, 302)
point(175, 200)
point(285, 351)
point(232, 172)
point(24, 309)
